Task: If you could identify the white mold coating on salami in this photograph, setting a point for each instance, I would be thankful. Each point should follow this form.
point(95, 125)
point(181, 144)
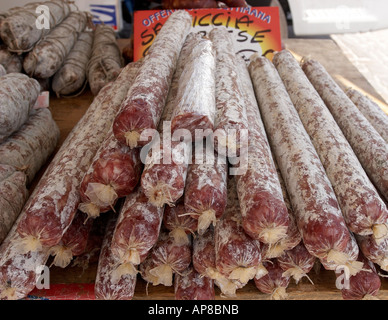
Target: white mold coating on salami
point(18, 94)
point(107, 287)
point(319, 217)
point(146, 99)
point(360, 203)
point(370, 148)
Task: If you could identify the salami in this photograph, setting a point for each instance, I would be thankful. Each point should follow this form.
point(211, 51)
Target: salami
point(29, 148)
point(363, 209)
point(318, 215)
point(238, 256)
point(365, 285)
point(47, 56)
point(145, 100)
point(192, 286)
point(19, 272)
point(264, 214)
point(375, 252)
point(18, 29)
point(107, 286)
point(370, 148)
point(13, 195)
point(12, 62)
point(205, 195)
point(180, 224)
point(164, 175)
point(70, 79)
point(275, 282)
point(231, 122)
point(167, 259)
point(195, 102)
point(73, 242)
point(204, 262)
point(114, 174)
point(55, 199)
point(297, 262)
point(136, 232)
point(18, 94)
point(371, 111)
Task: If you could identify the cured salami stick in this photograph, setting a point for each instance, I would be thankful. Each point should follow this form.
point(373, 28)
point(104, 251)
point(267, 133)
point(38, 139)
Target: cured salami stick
point(145, 100)
point(264, 214)
point(13, 195)
point(375, 252)
point(192, 286)
point(319, 218)
point(12, 62)
point(29, 148)
point(204, 262)
point(363, 209)
point(293, 237)
point(18, 272)
point(114, 173)
point(137, 231)
point(55, 199)
point(296, 263)
point(370, 148)
point(73, 242)
point(371, 111)
point(275, 282)
point(167, 259)
point(195, 102)
point(205, 194)
point(18, 29)
point(107, 286)
point(238, 256)
point(164, 175)
point(231, 122)
point(180, 224)
point(365, 285)
point(18, 94)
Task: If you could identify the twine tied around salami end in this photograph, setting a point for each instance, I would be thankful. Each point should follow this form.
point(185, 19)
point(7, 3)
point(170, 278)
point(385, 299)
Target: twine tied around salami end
point(28, 243)
point(227, 287)
point(273, 235)
point(340, 258)
point(163, 274)
point(91, 209)
point(160, 195)
point(370, 297)
point(63, 256)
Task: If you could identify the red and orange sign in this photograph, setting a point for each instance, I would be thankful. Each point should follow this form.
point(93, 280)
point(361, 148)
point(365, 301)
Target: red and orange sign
point(254, 29)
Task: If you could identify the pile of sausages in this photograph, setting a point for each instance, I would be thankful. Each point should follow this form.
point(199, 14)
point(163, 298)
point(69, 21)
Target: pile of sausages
point(297, 174)
point(28, 136)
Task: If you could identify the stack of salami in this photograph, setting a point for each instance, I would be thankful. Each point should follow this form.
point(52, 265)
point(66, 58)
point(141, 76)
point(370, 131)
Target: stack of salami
point(52, 43)
point(28, 136)
point(206, 173)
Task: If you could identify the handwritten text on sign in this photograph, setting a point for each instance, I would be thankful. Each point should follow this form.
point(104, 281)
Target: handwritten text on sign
point(254, 29)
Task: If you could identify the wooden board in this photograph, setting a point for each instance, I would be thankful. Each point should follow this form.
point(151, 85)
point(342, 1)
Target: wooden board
point(67, 112)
